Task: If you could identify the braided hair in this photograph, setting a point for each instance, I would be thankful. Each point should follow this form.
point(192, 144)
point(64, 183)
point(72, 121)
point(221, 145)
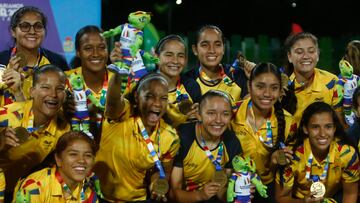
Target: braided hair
point(262, 68)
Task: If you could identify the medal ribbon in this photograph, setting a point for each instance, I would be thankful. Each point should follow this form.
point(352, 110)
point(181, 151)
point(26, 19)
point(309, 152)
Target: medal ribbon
point(102, 100)
point(216, 161)
point(30, 127)
point(150, 146)
point(223, 76)
point(66, 188)
point(269, 134)
point(308, 168)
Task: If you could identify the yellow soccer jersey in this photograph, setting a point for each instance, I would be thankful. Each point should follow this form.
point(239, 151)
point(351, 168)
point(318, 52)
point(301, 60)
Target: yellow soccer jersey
point(18, 161)
point(323, 88)
point(251, 141)
point(173, 112)
point(7, 96)
point(43, 187)
point(233, 90)
point(78, 70)
point(197, 167)
point(343, 166)
point(124, 159)
point(2, 185)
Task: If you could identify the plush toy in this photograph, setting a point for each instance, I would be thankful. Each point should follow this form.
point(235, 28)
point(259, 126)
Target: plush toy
point(81, 119)
point(239, 183)
point(131, 39)
point(349, 82)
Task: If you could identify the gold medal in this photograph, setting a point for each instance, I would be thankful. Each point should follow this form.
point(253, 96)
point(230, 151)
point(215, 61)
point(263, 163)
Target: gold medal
point(220, 177)
point(23, 60)
point(22, 134)
point(161, 186)
point(185, 106)
point(281, 158)
point(318, 188)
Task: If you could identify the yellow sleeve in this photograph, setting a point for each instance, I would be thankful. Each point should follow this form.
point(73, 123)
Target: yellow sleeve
point(286, 176)
point(350, 164)
point(171, 144)
point(2, 185)
point(28, 191)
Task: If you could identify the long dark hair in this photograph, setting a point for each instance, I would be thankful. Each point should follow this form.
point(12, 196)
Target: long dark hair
point(289, 101)
point(352, 55)
point(262, 68)
point(316, 108)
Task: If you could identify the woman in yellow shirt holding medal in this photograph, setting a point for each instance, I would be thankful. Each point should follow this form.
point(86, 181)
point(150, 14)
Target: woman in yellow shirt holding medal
point(184, 93)
point(136, 152)
point(262, 125)
point(28, 29)
point(324, 161)
point(207, 149)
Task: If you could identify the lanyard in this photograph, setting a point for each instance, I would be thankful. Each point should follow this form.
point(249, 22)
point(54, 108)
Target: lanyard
point(102, 100)
point(308, 168)
point(155, 155)
point(223, 76)
point(216, 161)
point(30, 127)
point(269, 134)
point(66, 188)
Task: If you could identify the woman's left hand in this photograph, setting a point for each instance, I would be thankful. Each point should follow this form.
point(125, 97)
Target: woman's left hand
point(12, 79)
point(194, 112)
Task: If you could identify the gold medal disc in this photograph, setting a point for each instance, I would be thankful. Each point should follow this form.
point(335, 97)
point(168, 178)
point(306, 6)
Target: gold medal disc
point(185, 106)
point(318, 188)
point(22, 134)
point(161, 186)
point(23, 59)
point(281, 158)
point(220, 177)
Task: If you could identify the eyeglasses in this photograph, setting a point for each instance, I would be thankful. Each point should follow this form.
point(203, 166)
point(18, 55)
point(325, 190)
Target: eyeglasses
point(25, 26)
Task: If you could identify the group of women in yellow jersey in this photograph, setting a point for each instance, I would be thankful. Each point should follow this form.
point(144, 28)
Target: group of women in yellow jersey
point(172, 136)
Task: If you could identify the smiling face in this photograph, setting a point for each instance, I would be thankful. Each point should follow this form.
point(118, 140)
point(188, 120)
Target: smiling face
point(304, 55)
point(265, 90)
point(215, 113)
point(32, 39)
point(75, 162)
point(209, 49)
point(321, 130)
point(48, 95)
point(172, 58)
point(92, 52)
point(152, 100)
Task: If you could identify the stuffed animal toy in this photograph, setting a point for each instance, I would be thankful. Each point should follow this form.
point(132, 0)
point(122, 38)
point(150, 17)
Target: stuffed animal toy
point(239, 183)
point(131, 39)
point(348, 81)
point(81, 118)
